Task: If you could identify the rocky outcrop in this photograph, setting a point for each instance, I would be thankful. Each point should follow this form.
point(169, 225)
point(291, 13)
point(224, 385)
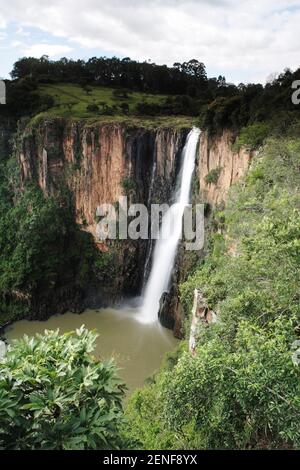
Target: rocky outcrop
point(171, 313)
point(202, 315)
point(220, 166)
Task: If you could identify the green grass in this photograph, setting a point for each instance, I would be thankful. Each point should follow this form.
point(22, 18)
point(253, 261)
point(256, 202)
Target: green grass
point(71, 101)
point(173, 122)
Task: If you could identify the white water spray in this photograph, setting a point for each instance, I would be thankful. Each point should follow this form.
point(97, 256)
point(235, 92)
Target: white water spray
point(165, 249)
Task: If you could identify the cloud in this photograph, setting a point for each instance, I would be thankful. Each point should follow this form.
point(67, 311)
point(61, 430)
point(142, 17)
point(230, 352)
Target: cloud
point(242, 38)
point(52, 50)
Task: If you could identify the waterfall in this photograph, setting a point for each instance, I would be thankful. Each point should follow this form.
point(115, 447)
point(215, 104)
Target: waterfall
point(166, 247)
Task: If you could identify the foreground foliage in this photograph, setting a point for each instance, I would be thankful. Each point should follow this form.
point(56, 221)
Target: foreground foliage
point(241, 389)
point(55, 395)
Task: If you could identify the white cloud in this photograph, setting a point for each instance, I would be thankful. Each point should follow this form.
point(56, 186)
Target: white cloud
point(16, 44)
point(21, 32)
point(52, 50)
point(251, 38)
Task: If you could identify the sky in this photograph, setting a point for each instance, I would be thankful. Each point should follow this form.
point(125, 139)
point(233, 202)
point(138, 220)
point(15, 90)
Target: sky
point(247, 41)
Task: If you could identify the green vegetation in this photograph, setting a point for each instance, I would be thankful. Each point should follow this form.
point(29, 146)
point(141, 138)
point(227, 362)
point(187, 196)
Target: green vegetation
point(42, 250)
point(259, 111)
point(55, 395)
point(110, 87)
point(120, 87)
point(72, 100)
point(128, 185)
point(213, 176)
point(252, 136)
point(241, 389)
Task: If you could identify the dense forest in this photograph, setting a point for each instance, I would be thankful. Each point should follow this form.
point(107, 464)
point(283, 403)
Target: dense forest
point(241, 388)
point(190, 91)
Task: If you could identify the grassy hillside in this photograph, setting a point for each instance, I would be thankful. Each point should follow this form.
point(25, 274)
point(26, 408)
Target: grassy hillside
point(106, 105)
point(72, 99)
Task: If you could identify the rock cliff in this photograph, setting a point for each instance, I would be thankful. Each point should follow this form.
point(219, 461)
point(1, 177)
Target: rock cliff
point(100, 162)
point(96, 161)
point(219, 166)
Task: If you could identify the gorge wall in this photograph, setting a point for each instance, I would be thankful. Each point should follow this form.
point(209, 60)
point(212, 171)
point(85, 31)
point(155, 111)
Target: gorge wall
point(220, 166)
point(100, 162)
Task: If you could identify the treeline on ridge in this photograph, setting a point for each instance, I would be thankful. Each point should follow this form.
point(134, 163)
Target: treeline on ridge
point(189, 90)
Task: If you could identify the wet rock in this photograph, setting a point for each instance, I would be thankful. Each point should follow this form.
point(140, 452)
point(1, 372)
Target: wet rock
point(165, 308)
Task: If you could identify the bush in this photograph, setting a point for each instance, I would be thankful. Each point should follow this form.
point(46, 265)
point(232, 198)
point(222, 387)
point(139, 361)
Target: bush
point(237, 396)
point(92, 108)
point(128, 185)
point(252, 136)
point(213, 176)
point(54, 395)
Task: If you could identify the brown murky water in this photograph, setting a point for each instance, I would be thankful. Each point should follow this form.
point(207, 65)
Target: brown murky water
point(137, 348)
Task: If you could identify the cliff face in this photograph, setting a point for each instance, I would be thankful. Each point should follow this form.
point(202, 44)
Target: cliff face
point(219, 166)
point(96, 162)
point(99, 163)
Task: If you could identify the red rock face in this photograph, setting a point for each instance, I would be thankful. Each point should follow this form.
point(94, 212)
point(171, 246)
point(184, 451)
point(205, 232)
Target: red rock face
point(217, 153)
point(93, 161)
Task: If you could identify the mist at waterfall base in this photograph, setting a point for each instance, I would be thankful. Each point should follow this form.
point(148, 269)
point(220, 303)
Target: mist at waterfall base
point(166, 246)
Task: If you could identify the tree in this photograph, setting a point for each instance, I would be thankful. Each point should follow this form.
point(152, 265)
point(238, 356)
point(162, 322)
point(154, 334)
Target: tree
point(55, 395)
point(92, 108)
point(125, 108)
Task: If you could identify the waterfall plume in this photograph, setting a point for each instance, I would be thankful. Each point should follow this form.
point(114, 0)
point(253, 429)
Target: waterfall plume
point(166, 246)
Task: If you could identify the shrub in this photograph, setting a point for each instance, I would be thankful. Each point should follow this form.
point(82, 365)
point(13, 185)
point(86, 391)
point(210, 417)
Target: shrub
point(213, 176)
point(54, 395)
point(237, 396)
point(128, 185)
point(92, 108)
point(252, 136)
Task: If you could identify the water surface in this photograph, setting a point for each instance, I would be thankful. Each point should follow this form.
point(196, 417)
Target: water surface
point(138, 348)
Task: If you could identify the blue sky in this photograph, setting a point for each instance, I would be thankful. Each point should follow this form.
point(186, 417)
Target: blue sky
point(243, 40)
point(18, 40)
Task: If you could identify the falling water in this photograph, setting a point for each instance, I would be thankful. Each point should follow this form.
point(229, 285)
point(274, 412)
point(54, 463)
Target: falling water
point(166, 247)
